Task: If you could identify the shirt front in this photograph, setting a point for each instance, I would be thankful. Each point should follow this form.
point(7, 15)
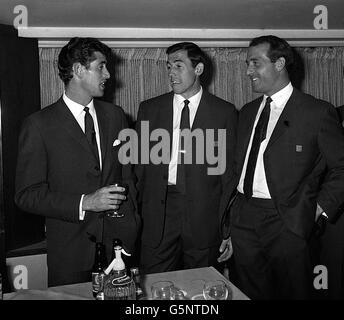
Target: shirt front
point(178, 105)
point(78, 112)
point(260, 187)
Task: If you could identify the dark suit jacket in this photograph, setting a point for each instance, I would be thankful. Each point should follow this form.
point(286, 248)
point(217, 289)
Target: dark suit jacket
point(304, 160)
point(204, 192)
point(55, 167)
point(340, 110)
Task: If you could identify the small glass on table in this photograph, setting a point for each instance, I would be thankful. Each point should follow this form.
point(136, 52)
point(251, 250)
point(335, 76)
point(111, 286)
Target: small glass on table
point(216, 290)
point(163, 290)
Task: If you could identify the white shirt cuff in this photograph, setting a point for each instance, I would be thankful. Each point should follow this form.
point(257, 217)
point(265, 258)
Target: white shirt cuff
point(81, 212)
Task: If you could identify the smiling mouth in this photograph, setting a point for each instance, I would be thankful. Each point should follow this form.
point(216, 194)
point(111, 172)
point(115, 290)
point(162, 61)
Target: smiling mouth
point(175, 82)
point(102, 84)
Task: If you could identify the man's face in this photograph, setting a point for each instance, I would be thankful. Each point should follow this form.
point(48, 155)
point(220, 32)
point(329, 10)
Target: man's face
point(95, 76)
point(262, 72)
point(184, 78)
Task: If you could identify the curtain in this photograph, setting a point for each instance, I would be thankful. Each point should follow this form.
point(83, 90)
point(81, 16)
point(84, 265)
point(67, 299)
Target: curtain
point(140, 73)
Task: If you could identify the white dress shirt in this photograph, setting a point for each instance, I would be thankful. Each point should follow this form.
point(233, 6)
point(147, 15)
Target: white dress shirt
point(79, 114)
point(178, 105)
point(260, 187)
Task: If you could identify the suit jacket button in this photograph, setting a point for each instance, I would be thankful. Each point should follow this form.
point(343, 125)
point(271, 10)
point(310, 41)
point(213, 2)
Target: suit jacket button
point(96, 168)
point(164, 176)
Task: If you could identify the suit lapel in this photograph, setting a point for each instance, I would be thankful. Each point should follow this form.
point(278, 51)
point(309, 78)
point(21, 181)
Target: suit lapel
point(246, 123)
point(285, 119)
point(68, 123)
point(103, 128)
point(202, 112)
point(165, 120)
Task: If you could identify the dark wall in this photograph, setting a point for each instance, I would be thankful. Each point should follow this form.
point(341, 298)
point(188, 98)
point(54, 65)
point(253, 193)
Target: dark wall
point(19, 96)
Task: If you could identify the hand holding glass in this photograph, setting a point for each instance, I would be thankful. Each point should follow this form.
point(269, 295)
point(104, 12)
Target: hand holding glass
point(116, 213)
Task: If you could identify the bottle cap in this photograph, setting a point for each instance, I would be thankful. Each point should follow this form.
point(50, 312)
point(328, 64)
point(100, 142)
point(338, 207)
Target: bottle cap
point(134, 270)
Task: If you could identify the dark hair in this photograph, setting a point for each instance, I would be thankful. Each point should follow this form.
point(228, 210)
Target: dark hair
point(195, 54)
point(278, 48)
point(79, 50)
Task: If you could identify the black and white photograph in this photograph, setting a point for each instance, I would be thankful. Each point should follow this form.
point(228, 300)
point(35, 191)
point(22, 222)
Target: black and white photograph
point(172, 150)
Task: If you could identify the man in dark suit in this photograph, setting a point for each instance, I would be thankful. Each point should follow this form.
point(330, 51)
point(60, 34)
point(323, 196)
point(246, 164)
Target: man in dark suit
point(289, 171)
point(180, 199)
point(67, 161)
point(332, 249)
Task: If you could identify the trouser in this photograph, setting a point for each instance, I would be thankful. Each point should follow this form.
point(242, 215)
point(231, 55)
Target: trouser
point(271, 261)
point(177, 249)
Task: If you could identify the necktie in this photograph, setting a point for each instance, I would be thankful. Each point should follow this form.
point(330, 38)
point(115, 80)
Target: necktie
point(259, 136)
point(91, 133)
point(184, 124)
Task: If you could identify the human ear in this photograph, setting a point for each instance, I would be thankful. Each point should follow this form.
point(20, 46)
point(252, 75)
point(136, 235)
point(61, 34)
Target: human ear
point(280, 63)
point(78, 69)
point(199, 68)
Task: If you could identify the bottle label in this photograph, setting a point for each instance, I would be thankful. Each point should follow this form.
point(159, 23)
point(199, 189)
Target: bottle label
point(121, 288)
point(121, 280)
point(0, 287)
point(97, 281)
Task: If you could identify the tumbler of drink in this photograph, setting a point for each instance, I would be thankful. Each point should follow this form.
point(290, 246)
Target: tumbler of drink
point(163, 290)
point(117, 213)
point(215, 290)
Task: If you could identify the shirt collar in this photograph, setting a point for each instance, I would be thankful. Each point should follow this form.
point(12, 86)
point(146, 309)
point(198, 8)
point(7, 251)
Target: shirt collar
point(281, 97)
point(76, 108)
point(194, 100)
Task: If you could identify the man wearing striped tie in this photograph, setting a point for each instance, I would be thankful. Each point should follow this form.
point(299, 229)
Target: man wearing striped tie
point(289, 173)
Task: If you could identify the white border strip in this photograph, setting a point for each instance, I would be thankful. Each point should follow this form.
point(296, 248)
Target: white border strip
point(203, 44)
point(155, 37)
point(155, 33)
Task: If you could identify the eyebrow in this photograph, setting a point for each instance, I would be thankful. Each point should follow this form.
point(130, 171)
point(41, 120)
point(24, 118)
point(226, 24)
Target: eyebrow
point(174, 61)
point(251, 59)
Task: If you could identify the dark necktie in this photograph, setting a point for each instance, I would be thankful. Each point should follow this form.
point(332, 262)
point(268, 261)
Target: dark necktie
point(91, 133)
point(259, 136)
point(184, 124)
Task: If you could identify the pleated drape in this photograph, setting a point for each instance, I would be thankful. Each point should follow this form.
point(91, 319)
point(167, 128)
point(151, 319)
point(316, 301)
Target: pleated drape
point(140, 73)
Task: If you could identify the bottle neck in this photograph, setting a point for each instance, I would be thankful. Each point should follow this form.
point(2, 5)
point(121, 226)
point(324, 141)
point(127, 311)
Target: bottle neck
point(100, 258)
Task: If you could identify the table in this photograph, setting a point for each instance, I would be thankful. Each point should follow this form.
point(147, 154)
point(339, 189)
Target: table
point(191, 281)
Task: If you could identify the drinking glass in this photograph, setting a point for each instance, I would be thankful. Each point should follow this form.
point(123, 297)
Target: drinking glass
point(116, 213)
point(163, 290)
point(215, 290)
point(179, 294)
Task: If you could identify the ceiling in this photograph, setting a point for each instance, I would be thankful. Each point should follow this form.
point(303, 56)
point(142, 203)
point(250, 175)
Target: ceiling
point(213, 14)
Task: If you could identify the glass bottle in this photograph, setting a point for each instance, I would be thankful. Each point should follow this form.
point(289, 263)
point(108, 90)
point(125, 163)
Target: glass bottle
point(98, 269)
point(135, 273)
point(0, 287)
point(118, 284)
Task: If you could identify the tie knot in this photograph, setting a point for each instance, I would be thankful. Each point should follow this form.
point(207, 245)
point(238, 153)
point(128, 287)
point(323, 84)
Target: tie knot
point(186, 103)
point(268, 100)
point(86, 109)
